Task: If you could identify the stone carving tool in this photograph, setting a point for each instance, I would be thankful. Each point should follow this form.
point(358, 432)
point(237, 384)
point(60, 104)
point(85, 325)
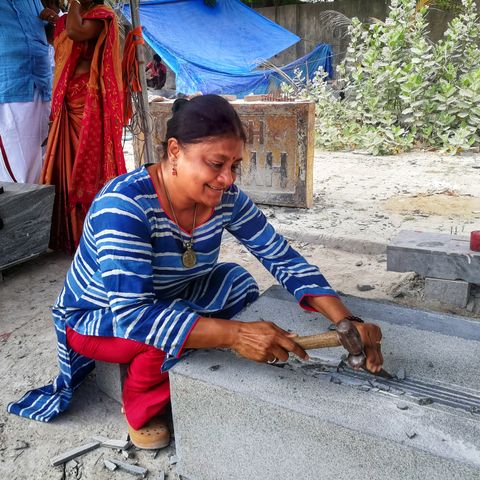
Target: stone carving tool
point(345, 335)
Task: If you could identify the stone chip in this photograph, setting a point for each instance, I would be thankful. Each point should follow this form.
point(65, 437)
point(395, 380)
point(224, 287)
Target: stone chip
point(365, 287)
point(73, 453)
point(110, 465)
point(401, 374)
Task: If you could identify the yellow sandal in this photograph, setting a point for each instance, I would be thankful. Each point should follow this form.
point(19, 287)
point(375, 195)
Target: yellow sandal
point(152, 436)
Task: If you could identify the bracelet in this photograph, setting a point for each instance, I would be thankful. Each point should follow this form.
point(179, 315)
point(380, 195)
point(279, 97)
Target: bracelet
point(353, 318)
point(78, 1)
point(350, 318)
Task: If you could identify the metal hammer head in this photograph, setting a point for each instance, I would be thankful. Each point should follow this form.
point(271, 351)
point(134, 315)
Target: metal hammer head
point(351, 341)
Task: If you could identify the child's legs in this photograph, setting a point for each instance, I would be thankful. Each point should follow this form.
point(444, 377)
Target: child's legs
point(146, 390)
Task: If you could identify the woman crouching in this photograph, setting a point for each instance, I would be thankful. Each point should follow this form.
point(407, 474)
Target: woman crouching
point(146, 285)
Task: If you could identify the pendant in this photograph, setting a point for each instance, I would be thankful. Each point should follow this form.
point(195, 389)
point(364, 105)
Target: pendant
point(189, 259)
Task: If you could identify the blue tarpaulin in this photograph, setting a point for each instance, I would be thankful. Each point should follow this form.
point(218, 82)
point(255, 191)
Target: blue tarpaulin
point(259, 81)
point(216, 49)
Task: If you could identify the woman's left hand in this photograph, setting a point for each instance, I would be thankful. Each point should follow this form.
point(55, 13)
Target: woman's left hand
point(48, 15)
point(371, 336)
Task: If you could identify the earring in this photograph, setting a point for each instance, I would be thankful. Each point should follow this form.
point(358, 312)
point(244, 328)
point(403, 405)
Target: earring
point(174, 171)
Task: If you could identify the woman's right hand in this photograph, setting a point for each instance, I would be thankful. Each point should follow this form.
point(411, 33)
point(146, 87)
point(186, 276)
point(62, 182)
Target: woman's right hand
point(265, 342)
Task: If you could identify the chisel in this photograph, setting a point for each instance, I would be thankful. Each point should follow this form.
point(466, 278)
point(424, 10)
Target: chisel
point(346, 335)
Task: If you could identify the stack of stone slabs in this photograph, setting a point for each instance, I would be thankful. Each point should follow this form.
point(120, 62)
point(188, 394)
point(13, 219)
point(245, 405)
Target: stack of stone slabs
point(236, 419)
point(446, 262)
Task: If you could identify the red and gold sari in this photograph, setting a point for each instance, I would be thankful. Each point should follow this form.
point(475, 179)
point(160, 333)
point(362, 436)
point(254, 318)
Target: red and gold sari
point(84, 148)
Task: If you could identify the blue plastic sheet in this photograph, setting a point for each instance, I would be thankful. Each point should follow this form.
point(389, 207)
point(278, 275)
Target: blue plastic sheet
point(260, 81)
point(216, 49)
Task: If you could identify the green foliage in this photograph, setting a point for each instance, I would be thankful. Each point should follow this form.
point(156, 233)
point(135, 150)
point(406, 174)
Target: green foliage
point(453, 6)
point(399, 89)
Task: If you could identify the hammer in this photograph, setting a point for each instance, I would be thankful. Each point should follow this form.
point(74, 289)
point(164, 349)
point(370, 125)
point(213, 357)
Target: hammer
point(345, 334)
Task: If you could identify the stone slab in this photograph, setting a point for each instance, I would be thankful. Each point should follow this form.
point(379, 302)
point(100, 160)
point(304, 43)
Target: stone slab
point(391, 313)
point(278, 166)
point(451, 292)
point(110, 378)
point(243, 420)
point(26, 217)
point(434, 255)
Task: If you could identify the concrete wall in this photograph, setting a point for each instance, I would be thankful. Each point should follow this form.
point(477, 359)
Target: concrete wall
point(303, 20)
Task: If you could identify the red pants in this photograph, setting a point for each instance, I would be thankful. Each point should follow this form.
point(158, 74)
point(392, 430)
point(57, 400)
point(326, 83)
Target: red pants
point(146, 390)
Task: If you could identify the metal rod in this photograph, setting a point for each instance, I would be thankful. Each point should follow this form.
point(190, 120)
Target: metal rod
point(146, 120)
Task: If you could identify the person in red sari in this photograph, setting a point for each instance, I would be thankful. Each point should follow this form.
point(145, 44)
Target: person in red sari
point(156, 73)
point(84, 148)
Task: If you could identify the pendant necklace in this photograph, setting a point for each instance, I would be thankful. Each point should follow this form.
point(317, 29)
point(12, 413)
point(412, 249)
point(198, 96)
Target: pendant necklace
point(189, 257)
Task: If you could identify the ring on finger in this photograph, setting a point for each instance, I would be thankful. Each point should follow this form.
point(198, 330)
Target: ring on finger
point(272, 362)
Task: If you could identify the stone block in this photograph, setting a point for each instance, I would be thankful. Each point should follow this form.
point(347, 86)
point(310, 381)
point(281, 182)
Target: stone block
point(255, 98)
point(434, 255)
point(244, 420)
point(278, 165)
point(452, 292)
point(110, 378)
point(26, 217)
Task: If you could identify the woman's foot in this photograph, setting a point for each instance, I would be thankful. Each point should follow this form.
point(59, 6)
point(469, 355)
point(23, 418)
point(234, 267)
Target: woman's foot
point(152, 436)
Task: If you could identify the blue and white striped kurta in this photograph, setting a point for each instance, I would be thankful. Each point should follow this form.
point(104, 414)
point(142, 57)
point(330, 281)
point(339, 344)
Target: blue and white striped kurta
point(127, 279)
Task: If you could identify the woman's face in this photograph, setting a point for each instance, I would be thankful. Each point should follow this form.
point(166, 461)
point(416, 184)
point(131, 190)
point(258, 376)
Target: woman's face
point(206, 169)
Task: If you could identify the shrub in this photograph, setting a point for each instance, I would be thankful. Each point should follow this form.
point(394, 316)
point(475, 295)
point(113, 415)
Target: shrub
point(399, 89)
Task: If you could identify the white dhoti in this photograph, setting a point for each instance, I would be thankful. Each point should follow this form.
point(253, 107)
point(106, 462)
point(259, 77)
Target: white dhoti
point(23, 128)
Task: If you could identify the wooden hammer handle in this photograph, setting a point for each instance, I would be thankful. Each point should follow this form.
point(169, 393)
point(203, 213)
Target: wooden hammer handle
point(321, 340)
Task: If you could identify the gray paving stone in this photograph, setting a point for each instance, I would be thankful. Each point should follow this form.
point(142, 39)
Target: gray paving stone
point(25, 220)
point(249, 420)
point(451, 292)
point(434, 255)
point(110, 378)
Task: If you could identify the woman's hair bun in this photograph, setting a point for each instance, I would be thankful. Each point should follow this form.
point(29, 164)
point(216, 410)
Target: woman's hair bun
point(205, 116)
point(178, 104)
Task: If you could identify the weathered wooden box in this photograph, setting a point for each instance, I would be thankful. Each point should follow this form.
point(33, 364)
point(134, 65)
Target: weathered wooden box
point(278, 165)
point(26, 217)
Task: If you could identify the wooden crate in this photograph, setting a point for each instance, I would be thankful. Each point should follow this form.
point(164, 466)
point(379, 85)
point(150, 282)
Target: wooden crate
point(277, 168)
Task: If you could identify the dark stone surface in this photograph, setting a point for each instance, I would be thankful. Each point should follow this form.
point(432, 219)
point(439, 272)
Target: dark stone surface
point(26, 214)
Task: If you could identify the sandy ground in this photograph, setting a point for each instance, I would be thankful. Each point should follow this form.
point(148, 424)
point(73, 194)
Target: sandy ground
point(360, 203)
